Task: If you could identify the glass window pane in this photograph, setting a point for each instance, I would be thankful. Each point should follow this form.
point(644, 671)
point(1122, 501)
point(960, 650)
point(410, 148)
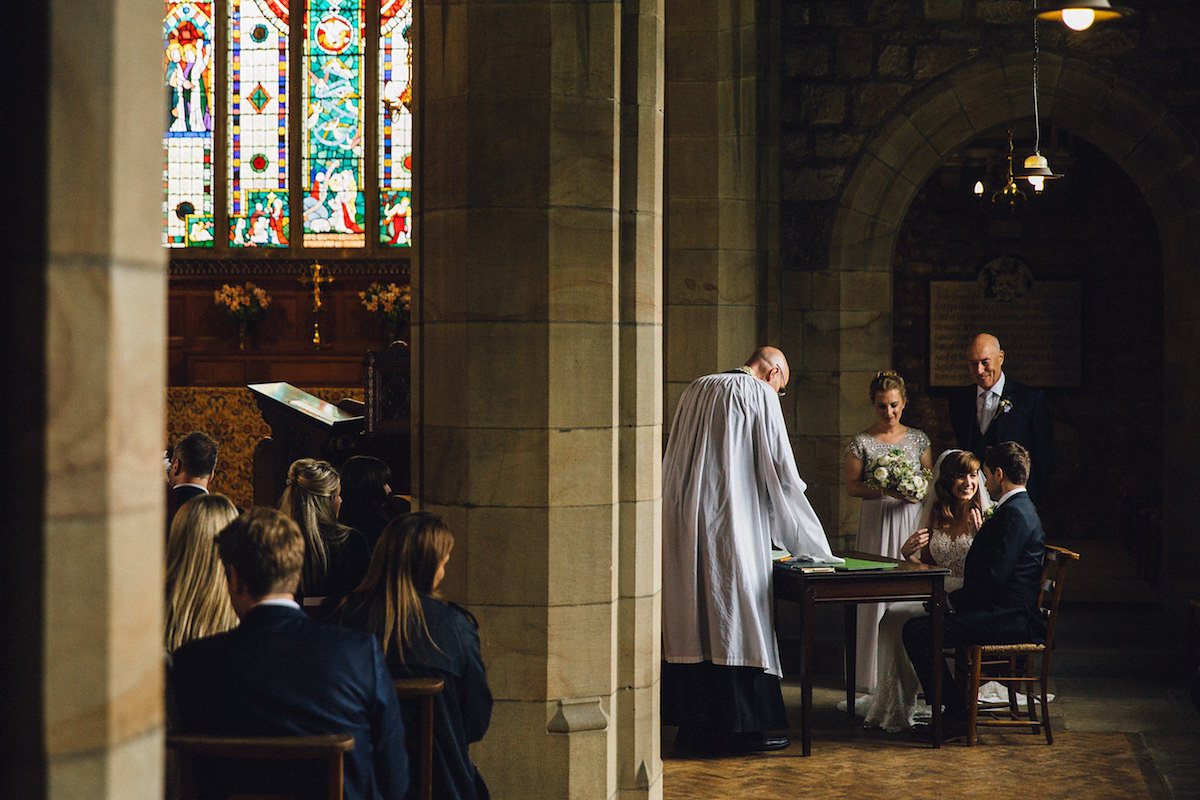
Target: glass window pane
point(334, 210)
point(257, 131)
point(188, 141)
point(395, 123)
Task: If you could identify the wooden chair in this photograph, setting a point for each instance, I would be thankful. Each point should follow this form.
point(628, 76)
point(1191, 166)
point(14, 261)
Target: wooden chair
point(423, 691)
point(330, 749)
point(1014, 664)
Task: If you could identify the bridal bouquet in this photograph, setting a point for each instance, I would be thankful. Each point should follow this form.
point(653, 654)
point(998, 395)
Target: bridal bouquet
point(894, 471)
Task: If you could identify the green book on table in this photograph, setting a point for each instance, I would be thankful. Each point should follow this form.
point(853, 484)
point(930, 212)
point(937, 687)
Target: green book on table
point(852, 564)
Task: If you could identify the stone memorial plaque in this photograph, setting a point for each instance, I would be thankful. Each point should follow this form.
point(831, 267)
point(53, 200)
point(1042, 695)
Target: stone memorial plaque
point(1038, 324)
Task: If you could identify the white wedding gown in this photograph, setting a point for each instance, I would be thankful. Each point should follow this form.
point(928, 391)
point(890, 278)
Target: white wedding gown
point(894, 703)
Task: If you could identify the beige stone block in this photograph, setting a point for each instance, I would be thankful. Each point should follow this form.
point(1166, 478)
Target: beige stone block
point(672, 392)
point(506, 370)
point(640, 462)
point(581, 651)
point(512, 563)
point(639, 571)
point(515, 647)
point(137, 376)
point(691, 223)
point(444, 160)
point(849, 340)
point(581, 555)
point(639, 756)
point(692, 167)
point(584, 49)
point(456, 585)
point(439, 271)
point(640, 370)
point(444, 481)
point(646, 141)
point(582, 465)
point(639, 631)
point(581, 375)
point(509, 467)
point(506, 264)
point(513, 41)
point(738, 166)
point(443, 392)
point(738, 276)
point(865, 290)
point(510, 171)
point(689, 15)
point(691, 56)
point(691, 343)
point(135, 646)
point(641, 276)
point(447, 30)
point(694, 109)
point(818, 403)
point(582, 268)
point(738, 114)
point(693, 278)
point(797, 290)
point(738, 224)
point(584, 149)
point(737, 335)
point(519, 758)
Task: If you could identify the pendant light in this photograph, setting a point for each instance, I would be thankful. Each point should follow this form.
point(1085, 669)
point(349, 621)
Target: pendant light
point(1080, 14)
point(1036, 168)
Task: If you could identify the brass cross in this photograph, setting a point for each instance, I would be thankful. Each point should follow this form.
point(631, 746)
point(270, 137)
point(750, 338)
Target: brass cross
point(316, 280)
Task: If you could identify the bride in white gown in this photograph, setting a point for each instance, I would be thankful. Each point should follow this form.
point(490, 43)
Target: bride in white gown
point(950, 516)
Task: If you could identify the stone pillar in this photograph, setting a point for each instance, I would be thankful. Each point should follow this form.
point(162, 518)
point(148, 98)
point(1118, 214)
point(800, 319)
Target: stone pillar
point(716, 252)
point(536, 353)
point(86, 343)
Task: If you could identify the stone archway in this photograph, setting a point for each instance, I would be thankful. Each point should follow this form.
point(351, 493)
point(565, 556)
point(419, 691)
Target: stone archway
point(1156, 150)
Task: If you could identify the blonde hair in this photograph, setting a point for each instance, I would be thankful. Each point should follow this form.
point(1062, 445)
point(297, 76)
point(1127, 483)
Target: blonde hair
point(885, 381)
point(196, 596)
point(308, 499)
point(403, 567)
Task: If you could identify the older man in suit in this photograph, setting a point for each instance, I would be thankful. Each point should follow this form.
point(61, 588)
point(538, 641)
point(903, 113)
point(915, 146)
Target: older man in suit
point(279, 673)
point(999, 409)
point(998, 601)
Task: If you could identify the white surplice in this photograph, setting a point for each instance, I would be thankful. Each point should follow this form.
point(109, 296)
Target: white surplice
point(730, 489)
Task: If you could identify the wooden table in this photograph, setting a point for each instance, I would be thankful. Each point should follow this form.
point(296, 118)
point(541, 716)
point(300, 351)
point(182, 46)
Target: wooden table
point(906, 581)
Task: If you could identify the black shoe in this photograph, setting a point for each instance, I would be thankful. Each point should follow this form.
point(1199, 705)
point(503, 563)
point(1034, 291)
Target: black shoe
point(952, 728)
point(772, 743)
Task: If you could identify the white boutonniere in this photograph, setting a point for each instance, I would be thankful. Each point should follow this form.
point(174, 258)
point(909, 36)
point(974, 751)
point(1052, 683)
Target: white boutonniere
point(987, 512)
point(1005, 405)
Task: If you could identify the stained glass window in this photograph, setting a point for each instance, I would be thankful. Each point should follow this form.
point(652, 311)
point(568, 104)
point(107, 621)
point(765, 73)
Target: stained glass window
point(188, 141)
point(285, 135)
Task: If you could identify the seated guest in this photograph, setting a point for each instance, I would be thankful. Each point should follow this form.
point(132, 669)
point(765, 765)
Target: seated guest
point(365, 491)
point(279, 673)
point(998, 600)
point(190, 469)
point(335, 557)
point(197, 602)
point(424, 636)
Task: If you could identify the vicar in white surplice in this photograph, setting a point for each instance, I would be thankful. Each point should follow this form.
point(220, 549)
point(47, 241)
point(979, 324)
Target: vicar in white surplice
point(730, 489)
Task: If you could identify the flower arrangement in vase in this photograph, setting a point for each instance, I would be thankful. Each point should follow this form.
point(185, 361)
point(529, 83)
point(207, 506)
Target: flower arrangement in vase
point(391, 303)
point(245, 304)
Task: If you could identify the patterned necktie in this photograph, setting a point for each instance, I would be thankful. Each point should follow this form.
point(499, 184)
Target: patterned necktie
point(987, 409)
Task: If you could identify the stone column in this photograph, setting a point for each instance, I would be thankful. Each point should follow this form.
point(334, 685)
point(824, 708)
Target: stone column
point(535, 343)
point(86, 341)
point(716, 249)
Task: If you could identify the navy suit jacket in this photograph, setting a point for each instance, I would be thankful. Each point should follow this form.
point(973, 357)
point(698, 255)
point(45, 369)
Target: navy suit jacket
point(1003, 575)
point(279, 673)
point(1026, 422)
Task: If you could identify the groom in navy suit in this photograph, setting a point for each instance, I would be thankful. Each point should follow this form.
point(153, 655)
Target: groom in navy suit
point(279, 673)
point(999, 409)
point(998, 601)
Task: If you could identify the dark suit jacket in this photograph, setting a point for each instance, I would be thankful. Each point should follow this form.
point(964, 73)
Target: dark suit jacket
point(1002, 576)
point(463, 709)
point(177, 496)
point(279, 673)
point(1026, 422)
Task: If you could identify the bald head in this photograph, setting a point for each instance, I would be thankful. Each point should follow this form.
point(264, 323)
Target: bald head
point(985, 359)
point(770, 365)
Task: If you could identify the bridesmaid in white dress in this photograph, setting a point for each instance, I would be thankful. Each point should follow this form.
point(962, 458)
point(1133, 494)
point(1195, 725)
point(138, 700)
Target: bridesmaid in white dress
point(950, 517)
point(887, 517)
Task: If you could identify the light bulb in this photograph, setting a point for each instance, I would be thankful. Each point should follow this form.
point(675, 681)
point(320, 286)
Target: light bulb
point(1078, 19)
point(1036, 181)
point(978, 188)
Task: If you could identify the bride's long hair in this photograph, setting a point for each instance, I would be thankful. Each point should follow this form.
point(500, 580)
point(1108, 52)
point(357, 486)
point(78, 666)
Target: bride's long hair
point(952, 465)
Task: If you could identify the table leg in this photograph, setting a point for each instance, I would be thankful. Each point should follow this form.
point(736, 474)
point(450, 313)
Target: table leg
point(936, 611)
point(851, 650)
point(806, 673)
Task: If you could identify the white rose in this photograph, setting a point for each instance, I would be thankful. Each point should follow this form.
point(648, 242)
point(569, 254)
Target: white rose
point(880, 474)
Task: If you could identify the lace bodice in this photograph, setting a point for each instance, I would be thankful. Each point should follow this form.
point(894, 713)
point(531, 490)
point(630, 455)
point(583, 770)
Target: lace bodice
point(867, 448)
point(950, 551)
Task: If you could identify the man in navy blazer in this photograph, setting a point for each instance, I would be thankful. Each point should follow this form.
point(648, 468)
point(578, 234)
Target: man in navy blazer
point(998, 601)
point(999, 409)
point(279, 673)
